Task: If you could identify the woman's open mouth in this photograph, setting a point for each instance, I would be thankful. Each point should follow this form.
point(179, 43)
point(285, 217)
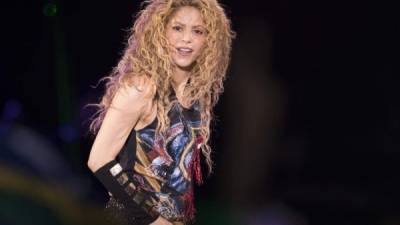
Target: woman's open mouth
point(184, 51)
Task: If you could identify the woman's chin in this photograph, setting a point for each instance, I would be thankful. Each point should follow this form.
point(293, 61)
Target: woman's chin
point(185, 66)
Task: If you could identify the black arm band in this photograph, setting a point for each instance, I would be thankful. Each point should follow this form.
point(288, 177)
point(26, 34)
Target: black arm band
point(121, 186)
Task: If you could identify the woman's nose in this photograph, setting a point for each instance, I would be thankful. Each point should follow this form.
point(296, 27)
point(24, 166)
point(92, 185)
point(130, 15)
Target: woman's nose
point(186, 36)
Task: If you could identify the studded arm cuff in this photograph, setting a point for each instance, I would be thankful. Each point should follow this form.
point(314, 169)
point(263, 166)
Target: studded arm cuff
point(122, 187)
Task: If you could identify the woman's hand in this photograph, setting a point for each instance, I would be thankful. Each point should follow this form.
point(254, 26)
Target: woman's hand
point(161, 221)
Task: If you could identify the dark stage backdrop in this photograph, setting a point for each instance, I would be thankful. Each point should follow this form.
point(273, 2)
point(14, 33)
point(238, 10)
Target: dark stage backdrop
point(306, 132)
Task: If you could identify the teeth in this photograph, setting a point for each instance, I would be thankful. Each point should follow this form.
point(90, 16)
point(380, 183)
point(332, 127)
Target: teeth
point(185, 49)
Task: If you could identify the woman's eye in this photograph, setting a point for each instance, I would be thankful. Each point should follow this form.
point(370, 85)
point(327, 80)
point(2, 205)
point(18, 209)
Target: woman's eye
point(177, 28)
point(199, 32)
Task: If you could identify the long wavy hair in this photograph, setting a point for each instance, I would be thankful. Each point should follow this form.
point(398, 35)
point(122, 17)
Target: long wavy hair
point(146, 54)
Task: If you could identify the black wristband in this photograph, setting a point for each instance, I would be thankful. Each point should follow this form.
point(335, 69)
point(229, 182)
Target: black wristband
point(122, 187)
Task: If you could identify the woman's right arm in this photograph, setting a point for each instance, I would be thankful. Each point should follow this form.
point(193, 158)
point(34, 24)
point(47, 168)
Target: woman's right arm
point(124, 112)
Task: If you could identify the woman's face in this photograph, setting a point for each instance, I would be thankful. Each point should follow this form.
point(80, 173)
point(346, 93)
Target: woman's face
point(185, 33)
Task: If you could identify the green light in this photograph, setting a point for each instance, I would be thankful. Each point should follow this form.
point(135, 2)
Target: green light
point(50, 9)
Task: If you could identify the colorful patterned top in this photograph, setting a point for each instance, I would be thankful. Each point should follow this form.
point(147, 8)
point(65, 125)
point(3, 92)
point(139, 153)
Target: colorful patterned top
point(164, 165)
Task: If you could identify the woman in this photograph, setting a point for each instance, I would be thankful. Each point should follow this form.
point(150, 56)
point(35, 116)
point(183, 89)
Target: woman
point(153, 120)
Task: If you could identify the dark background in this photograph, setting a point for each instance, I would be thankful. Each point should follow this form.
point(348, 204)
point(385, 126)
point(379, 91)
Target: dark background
point(305, 132)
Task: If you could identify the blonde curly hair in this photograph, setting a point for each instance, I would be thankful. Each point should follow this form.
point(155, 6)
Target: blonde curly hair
point(146, 54)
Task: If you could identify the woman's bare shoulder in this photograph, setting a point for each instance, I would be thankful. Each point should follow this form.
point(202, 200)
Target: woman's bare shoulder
point(135, 94)
point(141, 86)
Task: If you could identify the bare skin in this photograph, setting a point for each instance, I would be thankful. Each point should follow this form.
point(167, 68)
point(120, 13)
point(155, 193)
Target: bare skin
point(184, 30)
point(118, 122)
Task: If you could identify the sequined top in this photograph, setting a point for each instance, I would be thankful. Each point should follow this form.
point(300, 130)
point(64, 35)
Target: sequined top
point(164, 165)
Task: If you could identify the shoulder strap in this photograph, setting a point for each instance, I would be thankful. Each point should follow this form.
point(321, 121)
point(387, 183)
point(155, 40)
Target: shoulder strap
point(127, 155)
point(131, 144)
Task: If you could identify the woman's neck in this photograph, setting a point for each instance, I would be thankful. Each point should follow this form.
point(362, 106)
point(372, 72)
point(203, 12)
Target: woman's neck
point(179, 79)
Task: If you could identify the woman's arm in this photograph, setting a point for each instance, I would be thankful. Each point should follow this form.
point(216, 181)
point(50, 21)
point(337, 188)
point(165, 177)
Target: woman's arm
point(126, 109)
point(124, 112)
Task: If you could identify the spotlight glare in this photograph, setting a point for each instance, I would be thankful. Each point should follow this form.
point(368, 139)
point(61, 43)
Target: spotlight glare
point(50, 9)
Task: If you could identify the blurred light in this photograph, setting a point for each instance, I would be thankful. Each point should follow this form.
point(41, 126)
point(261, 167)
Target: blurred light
point(68, 133)
point(4, 128)
point(12, 109)
point(50, 9)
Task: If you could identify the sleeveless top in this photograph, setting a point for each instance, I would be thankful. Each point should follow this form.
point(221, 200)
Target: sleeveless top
point(165, 165)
